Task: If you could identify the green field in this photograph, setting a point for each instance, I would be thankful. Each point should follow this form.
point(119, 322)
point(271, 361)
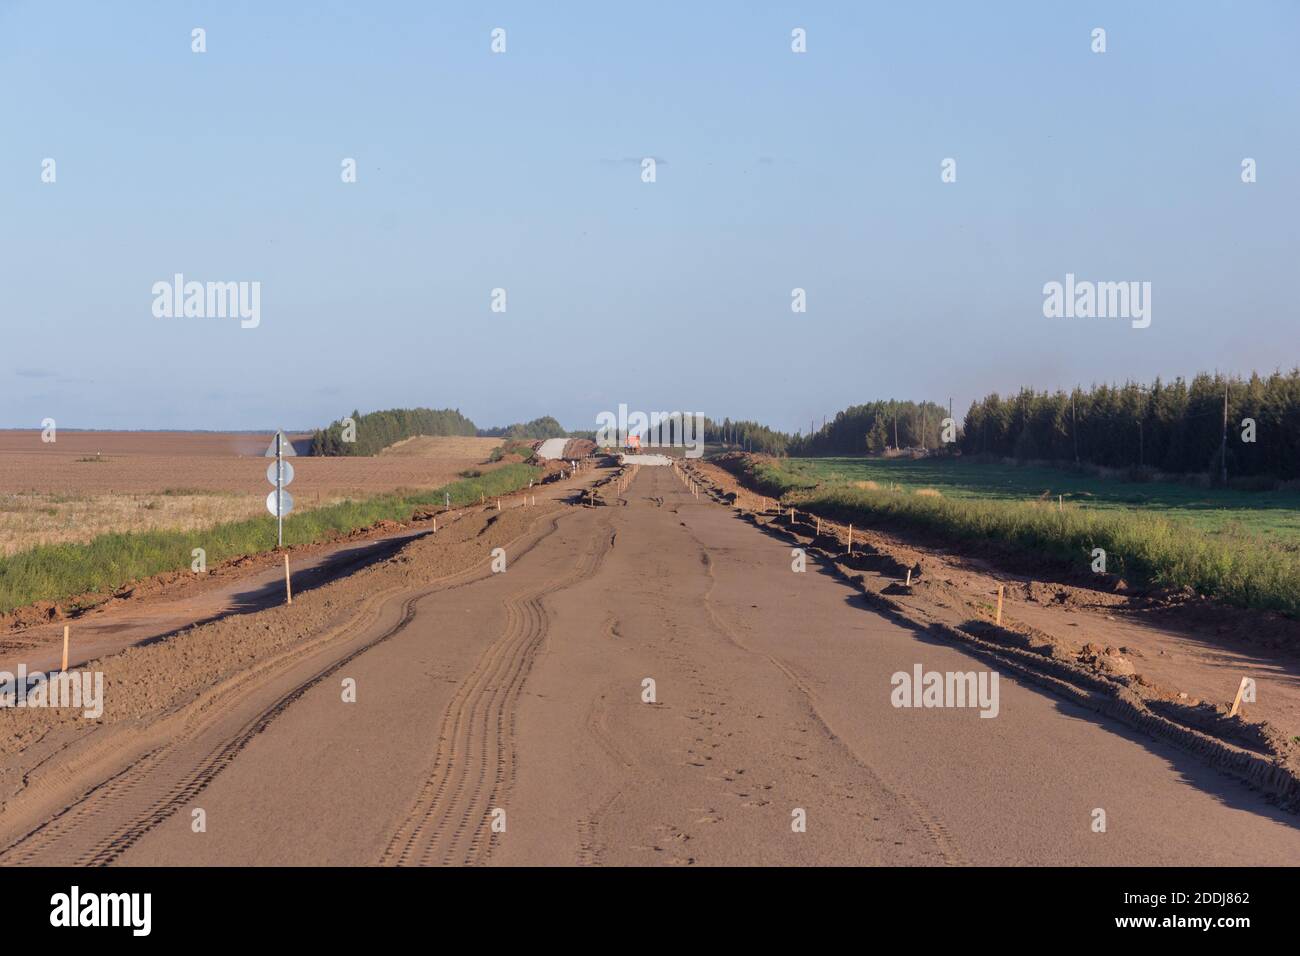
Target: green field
point(1272, 516)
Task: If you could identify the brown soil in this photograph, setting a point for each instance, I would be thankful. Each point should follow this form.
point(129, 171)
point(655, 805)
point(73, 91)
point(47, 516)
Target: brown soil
point(92, 483)
point(152, 444)
point(579, 448)
point(180, 585)
point(1182, 655)
point(523, 693)
point(156, 462)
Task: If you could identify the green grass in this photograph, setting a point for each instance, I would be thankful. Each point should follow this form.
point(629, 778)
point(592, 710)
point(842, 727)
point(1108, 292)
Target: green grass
point(1240, 547)
point(770, 476)
point(57, 572)
point(1272, 516)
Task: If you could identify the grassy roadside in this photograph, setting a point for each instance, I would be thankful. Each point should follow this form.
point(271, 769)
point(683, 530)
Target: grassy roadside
point(1142, 548)
point(59, 571)
point(1272, 516)
point(764, 475)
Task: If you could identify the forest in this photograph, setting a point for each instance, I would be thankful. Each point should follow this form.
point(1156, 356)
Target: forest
point(1175, 427)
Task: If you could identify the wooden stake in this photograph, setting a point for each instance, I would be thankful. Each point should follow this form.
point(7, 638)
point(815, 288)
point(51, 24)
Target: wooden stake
point(65, 650)
point(1236, 704)
point(435, 522)
point(819, 526)
point(850, 541)
point(999, 618)
point(288, 591)
point(909, 577)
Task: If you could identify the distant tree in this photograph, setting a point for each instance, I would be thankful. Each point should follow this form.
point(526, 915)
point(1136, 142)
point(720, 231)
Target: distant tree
point(878, 437)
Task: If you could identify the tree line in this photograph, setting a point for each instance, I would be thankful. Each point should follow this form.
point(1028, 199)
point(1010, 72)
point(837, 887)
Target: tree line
point(860, 429)
point(876, 427)
point(1174, 427)
point(746, 436)
point(375, 431)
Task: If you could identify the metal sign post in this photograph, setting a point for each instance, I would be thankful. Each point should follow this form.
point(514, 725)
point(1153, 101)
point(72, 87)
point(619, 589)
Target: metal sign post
point(279, 473)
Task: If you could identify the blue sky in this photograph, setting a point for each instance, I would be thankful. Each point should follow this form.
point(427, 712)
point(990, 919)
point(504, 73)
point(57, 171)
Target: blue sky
point(522, 171)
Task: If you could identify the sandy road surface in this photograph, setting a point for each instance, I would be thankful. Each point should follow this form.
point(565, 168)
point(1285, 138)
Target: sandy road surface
point(523, 692)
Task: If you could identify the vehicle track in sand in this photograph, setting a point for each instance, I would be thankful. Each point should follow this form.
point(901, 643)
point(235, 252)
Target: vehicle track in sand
point(474, 763)
point(143, 780)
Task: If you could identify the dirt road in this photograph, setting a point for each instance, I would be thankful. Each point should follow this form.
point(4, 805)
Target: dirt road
point(507, 718)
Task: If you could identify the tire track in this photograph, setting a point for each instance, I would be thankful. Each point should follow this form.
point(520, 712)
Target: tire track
point(99, 811)
point(105, 820)
point(473, 765)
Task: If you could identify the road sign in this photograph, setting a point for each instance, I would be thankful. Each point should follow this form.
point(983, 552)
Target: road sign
point(284, 450)
point(279, 473)
point(285, 470)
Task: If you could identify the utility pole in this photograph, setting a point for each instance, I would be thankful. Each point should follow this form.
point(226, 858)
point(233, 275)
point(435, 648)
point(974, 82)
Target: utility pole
point(895, 428)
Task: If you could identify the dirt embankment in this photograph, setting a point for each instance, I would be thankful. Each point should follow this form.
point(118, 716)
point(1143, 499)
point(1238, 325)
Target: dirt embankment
point(175, 585)
point(1168, 664)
